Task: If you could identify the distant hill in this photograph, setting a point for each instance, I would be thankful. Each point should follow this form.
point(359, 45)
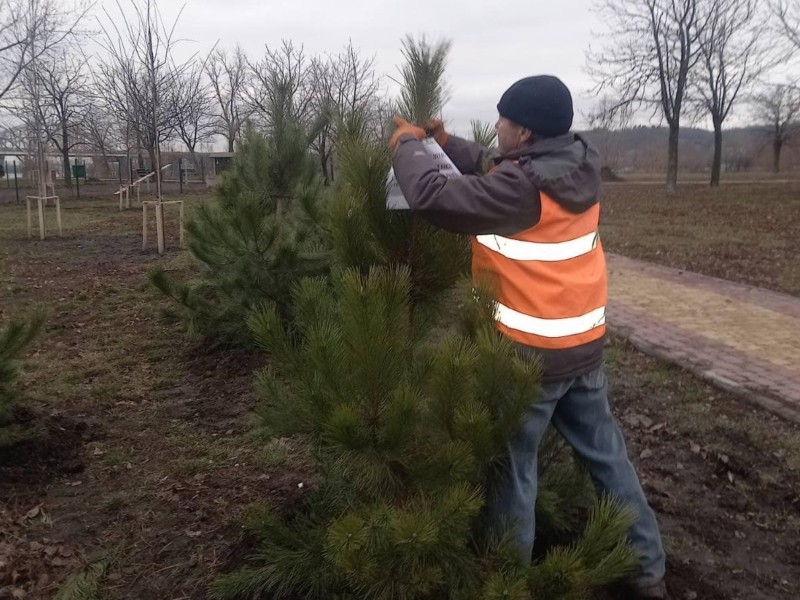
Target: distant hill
point(644, 149)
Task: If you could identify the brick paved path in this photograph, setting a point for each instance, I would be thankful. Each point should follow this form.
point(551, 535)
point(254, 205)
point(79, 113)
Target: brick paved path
point(743, 338)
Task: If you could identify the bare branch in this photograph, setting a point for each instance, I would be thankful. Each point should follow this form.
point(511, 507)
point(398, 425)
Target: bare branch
point(30, 29)
point(652, 50)
point(228, 77)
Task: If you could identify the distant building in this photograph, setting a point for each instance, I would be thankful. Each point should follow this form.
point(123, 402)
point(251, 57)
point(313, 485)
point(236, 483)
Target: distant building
point(219, 162)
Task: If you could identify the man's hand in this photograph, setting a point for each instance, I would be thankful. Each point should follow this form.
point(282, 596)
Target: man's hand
point(435, 129)
point(405, 128)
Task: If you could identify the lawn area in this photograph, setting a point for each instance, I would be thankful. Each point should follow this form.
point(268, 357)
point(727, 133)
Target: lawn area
point(743, 232)
point(146, 462)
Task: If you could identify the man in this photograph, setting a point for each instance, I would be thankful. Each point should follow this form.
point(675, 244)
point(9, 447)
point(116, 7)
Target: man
point(534, 225)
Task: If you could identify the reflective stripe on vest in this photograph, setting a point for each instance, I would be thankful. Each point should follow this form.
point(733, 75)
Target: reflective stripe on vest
point(549, 328)
point(549, 252)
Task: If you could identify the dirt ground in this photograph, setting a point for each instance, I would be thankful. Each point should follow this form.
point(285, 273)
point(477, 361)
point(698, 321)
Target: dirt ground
point(745, 232)
point(146, 461)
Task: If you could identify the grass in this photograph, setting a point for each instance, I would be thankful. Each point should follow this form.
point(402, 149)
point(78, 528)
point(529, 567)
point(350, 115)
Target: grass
point(108, 357)
point(701, 411)
point(275, 453)
point(744, 232)
point(197, 452)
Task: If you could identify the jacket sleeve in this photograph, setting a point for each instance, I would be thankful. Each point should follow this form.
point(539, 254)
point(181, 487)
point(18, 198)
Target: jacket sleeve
point(503, 202)
point(468, 157)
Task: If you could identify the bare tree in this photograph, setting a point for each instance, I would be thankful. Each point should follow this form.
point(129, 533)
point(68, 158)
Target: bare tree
point(778, 110)
point(345, 86)
point(608, 116)
point(139, 75)
point(228, 76)
point(30, 29)
point(653, 47)
point(732, 57)
point(102, 133)
point(787, 14)
point(61, 82)
point(192, 107)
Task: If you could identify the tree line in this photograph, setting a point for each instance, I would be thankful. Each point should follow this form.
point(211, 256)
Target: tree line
point(689, 59)
point(675, 60)
point(134, 95)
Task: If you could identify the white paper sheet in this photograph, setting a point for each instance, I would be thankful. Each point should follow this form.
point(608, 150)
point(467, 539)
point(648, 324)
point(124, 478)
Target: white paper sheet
point(395, 199)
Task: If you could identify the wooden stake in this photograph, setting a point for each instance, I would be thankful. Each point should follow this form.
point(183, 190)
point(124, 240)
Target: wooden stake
point(160, 226)
point(28, 202)
point(180, 224)
point(41, 217)
point(144, 226)
point(58, 213)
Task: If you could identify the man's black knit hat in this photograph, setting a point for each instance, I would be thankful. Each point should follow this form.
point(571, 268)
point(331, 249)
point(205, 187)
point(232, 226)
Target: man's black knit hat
point(541, 103)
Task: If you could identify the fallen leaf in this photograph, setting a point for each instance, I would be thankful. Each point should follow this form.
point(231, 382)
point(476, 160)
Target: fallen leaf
point(730, 476)
point(194, 534)
point(34, 512)
point(57, 561)
point(646, 453)
point(695, 447)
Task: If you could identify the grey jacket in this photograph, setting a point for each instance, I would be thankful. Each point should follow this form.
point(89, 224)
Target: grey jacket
point(506, 201)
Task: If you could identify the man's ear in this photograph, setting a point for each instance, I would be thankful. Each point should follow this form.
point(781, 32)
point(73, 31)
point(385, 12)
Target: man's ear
point(525, 135)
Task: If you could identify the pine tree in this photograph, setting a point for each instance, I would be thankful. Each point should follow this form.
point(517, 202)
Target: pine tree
point(263, 233)
point(14, 338)
point(406, 432)
point(365, 233)
point(408, 418)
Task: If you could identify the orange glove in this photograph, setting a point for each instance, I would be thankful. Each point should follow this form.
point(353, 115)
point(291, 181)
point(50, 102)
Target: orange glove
point(435, 129)
point(405, 128)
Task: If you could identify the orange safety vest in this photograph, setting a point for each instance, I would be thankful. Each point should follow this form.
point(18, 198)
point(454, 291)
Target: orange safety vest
point(550, 280)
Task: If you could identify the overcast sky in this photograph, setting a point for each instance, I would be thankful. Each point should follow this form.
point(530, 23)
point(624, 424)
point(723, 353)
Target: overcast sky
point(493, 44)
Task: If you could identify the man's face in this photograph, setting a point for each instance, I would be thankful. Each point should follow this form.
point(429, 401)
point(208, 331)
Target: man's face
point(511, 136)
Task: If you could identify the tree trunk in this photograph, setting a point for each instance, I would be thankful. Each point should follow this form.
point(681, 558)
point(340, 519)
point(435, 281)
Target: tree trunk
point(67, 174)
point(326, 178)
point(323, 161)
point(65, 158)
point(672, 160)
point(777, 145)
point(151, 151)
point(716, 166)
point(195, 160)
point(139, 157)
point(106, 167)
point(230, 142)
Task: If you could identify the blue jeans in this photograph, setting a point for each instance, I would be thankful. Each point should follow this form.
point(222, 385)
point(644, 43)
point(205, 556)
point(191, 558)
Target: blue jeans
point(578, 409)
